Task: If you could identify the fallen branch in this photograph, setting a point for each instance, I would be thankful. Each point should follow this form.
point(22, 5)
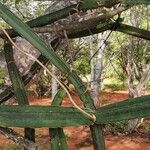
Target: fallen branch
point(17, 138)
point(72, 27)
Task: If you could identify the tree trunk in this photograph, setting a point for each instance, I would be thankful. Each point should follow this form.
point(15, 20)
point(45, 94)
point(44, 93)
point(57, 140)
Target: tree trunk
point(133, 91)
point(54, 82)
point(142, 76)
point(97, 66)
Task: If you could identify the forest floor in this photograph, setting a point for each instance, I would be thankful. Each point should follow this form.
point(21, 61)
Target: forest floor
point(79, 138)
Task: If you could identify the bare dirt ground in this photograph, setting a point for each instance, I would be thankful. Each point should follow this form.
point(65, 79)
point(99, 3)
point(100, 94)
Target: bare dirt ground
point(79, 138)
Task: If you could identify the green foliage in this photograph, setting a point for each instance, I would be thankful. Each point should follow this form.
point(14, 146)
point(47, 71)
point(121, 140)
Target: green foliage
point(145, 127)
point(113, 84)
point(23, 1)
point(17, 1)
point(42, 116)
point(82, 65)
point(38, 116)
point(2, 81)
point(13, 147)
point(103, 10)
point(2, 77)
point(117, 127)
point(120, 20)
point(58, 137)
point(40, 8)
point(89, 4)
point(26, 9)
point(148, 85)
point(101, 25)
point(15, 76)
point(16, 147)
point(56, 116)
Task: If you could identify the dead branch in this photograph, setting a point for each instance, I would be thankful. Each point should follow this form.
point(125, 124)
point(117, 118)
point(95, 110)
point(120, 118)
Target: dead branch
point(17, 138)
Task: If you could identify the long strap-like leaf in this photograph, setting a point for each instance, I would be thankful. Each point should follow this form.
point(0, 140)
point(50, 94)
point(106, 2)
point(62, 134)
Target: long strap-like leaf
point(41, 116)
point(15, 77)
point(26, 32)
point(48, 52)
point(54, 117)
point(8, 93)
point(57, 135)
point(18, 85)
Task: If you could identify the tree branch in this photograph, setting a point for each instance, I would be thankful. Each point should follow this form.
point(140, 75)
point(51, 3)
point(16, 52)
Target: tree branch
point(35, 68)
point(17, 138)
point(144, 78)
point(134, 31)
point(54, 16)
point(78, 28)
point(86, 27)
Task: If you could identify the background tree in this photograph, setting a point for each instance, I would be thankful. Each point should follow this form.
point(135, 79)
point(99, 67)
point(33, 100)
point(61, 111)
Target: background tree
point(83, 23)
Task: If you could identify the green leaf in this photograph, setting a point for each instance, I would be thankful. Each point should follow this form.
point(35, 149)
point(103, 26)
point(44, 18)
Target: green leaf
point(58, 139)
point(120, 20)
point(48, 52)
point(52, 17)
point(17, 84)
point(59, 97)
point(54, 117)
point(41, 116)
point(26, 32)
point(88, 4)
point(57, 136)
point(104, 11)
point(125, 110)
point(17, 1)
point(15, 77)
point(101, 25)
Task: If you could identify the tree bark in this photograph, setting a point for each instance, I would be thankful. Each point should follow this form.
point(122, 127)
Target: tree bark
point(54, 85)
point(17, 138)
point(142, 76)
point(97, 67)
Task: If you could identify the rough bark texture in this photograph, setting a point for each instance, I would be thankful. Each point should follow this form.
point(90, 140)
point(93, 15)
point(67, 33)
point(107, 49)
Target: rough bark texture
point(97, 67)
point(142, 76)
point(54, 86)
point(17, 138)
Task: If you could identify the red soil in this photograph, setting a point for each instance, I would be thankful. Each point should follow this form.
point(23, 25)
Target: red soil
point(79, 138)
